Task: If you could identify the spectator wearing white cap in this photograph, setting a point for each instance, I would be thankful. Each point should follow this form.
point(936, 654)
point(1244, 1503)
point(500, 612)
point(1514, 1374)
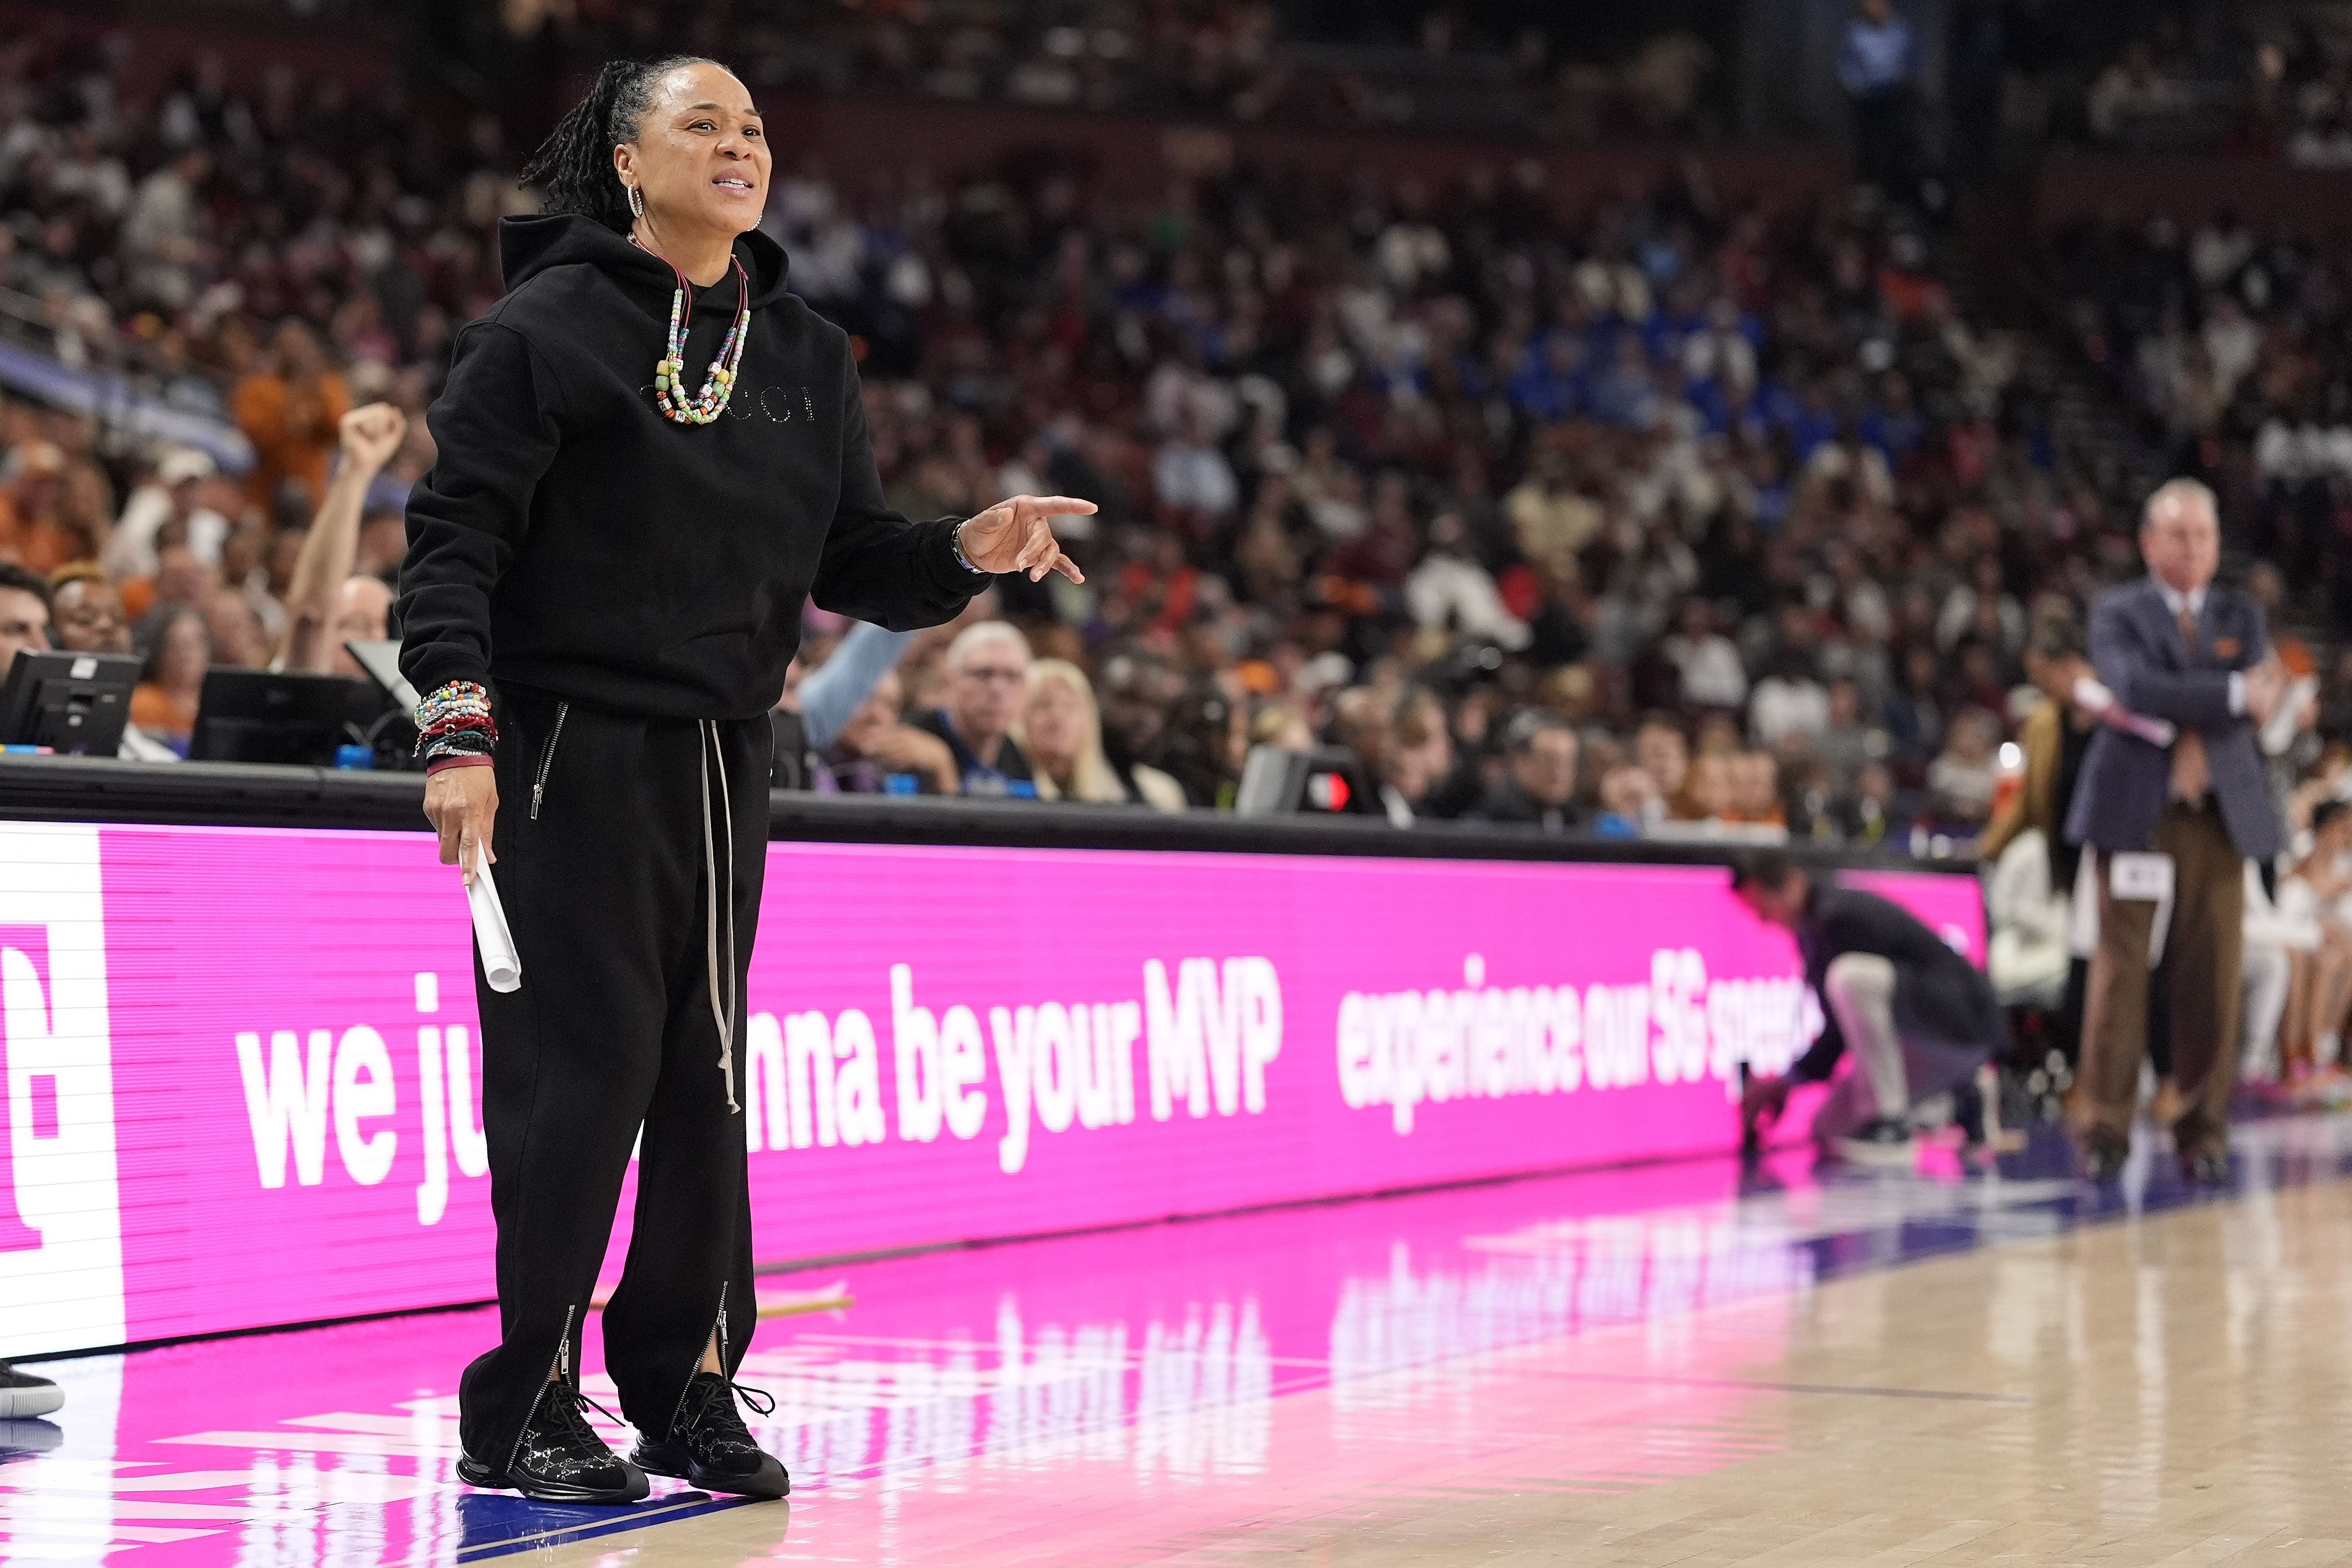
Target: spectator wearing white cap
point(174, 495)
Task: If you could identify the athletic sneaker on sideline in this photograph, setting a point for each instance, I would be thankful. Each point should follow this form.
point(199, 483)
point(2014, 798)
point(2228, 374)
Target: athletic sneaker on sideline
point(23, 1395)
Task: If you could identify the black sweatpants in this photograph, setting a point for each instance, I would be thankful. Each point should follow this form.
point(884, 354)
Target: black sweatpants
point(602, 867)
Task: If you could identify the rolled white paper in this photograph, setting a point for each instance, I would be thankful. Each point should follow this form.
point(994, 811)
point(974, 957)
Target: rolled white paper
point(499, 965)
point(2100, 703)
point(2287, 717)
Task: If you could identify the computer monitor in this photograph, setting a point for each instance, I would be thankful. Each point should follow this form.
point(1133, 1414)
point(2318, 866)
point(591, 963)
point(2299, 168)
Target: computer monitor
point(71, 703)
point(381, 659)
point(263, 715)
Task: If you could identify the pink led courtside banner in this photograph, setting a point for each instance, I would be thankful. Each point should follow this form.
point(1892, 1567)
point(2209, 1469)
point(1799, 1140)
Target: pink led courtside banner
point(242, 1064)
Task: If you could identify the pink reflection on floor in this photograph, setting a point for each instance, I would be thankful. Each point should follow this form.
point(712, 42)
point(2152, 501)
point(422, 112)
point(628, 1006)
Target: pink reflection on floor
point(1089, 1400)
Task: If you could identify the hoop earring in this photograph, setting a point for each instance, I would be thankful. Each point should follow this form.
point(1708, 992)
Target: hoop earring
point(637, 202)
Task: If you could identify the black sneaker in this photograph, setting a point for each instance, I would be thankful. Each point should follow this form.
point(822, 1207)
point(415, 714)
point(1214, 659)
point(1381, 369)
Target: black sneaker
point(709, 1446)
point(23, 1395)
point(560, 1458)
point(1882, 1140)
point(2103, 1159)
point(2206, 1165)
point(2203, 1150)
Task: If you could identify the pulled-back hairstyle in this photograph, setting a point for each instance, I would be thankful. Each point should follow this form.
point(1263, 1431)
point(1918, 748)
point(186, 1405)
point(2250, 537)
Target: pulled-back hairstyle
point(1762, 868)
point(574, 165)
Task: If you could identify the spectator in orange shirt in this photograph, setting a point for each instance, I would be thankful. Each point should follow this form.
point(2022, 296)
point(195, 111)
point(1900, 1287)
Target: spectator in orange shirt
point(2267, 587)
point(30, 533)
point(290, 408)
point(1910, 290)
point(1754, 779)
point(85, 517)
point(1160, 589)
point(55, 509)
point(1709, 798)
point(179, 652)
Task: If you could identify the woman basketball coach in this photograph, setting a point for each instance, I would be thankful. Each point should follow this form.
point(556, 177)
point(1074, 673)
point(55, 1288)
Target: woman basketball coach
point(650, 457)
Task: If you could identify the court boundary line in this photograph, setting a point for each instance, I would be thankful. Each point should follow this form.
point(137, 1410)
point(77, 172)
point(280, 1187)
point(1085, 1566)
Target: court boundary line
point(590, 1529)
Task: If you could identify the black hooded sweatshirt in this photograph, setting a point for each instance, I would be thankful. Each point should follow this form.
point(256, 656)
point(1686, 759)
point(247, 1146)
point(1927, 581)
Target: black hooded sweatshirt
point(573, 541)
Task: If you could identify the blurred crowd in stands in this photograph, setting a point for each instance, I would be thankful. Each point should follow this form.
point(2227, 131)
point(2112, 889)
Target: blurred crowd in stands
point(1686, 513)
point(1680, 510)
point(2261, 77)
point(2268, 79)
point(1459, 68)
point(1736, 494)
point(1387, 465)
point(2236, 346)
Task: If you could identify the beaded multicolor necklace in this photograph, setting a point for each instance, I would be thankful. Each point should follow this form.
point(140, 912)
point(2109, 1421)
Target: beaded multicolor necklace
point(669, 370)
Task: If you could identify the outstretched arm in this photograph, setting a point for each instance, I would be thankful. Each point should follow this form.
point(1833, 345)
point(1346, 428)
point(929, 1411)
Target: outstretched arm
point(369, 436)
point(879, 567)
point(828, 697)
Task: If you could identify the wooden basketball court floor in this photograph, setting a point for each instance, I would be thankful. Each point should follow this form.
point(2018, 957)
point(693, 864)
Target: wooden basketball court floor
point(1673, 1365)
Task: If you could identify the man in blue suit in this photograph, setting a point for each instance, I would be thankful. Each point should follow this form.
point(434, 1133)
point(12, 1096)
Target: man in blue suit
point(2177, 648)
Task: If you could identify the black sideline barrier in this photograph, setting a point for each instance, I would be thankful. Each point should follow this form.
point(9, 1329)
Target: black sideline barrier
point(82, 790)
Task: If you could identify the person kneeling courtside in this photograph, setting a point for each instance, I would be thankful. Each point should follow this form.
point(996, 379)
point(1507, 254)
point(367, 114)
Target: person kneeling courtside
point(1919, 1018)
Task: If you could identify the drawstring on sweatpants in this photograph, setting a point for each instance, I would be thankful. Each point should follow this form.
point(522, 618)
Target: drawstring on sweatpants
point(722, 1011)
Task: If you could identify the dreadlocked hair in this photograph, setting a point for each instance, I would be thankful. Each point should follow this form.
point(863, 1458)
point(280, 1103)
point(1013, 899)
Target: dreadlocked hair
point(573, 167)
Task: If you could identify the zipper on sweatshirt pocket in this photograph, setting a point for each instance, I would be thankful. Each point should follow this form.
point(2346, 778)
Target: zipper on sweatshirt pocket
point(547, 758)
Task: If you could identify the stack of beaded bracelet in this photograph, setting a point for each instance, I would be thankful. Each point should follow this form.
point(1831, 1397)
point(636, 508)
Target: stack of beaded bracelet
point(455, 721)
